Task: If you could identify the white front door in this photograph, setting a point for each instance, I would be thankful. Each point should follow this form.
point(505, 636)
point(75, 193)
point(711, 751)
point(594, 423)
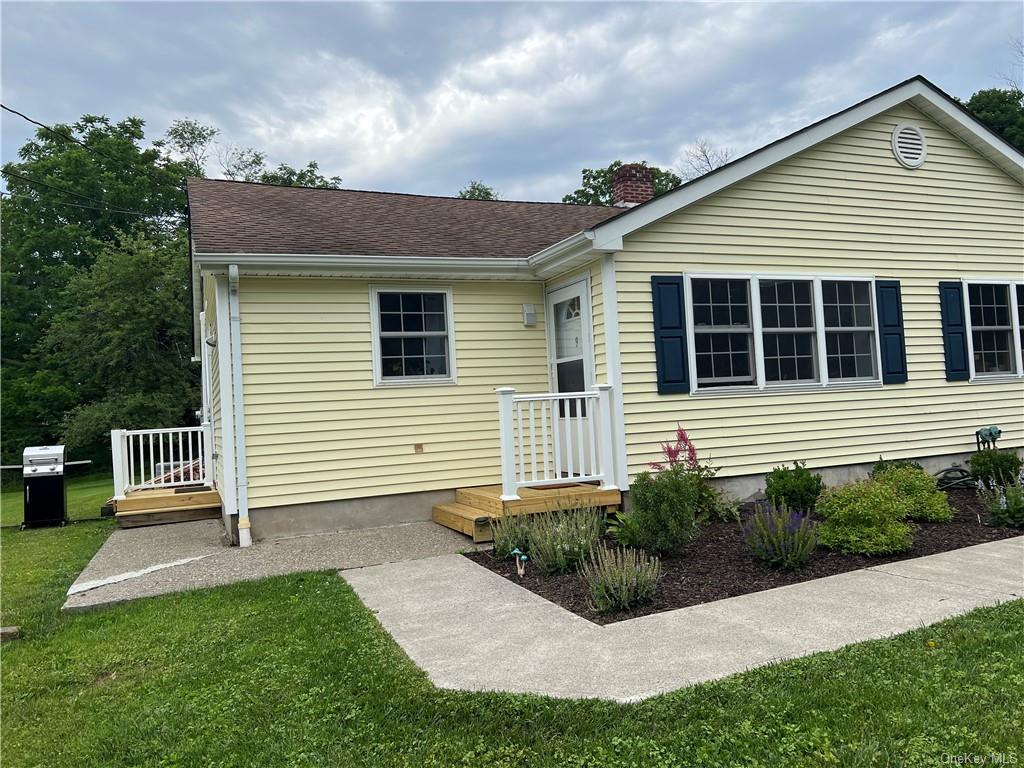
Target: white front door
point(571, 359)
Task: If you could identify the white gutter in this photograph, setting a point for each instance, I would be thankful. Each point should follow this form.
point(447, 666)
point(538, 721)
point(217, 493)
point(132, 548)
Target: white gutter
point(371, 266)
point(241, 475)
point(573, 251)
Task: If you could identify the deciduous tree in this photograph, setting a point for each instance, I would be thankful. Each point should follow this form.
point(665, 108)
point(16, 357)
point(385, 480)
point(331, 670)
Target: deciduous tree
point(596, 188)
point(477, 190)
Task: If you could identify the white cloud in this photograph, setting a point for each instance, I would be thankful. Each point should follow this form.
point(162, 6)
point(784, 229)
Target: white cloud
point(422, 97)
point(545, 75)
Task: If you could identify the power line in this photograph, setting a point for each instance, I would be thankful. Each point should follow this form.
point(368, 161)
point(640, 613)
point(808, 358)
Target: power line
point(100, 203)
point(75, 205)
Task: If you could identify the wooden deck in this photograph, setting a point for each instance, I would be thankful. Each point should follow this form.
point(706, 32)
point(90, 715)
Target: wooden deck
point(156, 506)
point(474, 508)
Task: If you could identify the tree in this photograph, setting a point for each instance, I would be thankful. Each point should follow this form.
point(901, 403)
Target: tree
point(66, 200)
point(247, 164)
point(702, 157)
point(596, 188)
point(477, 190)
point(124, 340)
point(74, 190)
point(1002, 110)
point(241, 163)
point(309, 176)
point(193, 141)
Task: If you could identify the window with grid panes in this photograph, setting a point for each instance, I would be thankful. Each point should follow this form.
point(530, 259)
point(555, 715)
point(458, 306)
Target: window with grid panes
point(789, 338)
point(723, 333)
point(413, 335)
point(849, 330)
point(991, 328)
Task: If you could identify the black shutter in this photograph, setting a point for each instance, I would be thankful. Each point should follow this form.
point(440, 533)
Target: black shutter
point(670, 335)
point(954, 330)
point(890, 331)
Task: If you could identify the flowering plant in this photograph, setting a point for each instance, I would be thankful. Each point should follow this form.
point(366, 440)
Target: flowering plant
point(680, 458)
point(779, 536)
point(1004, 501)
point(682, 451)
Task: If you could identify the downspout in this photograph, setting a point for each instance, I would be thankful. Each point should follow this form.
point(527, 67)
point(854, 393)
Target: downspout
point(241, 475)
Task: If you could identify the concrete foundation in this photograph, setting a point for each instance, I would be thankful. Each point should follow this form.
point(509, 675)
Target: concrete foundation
point(747, 486)
point(346, 514)
point(375, 511)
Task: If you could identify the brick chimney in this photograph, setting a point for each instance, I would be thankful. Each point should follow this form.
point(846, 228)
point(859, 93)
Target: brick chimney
point(631, 185)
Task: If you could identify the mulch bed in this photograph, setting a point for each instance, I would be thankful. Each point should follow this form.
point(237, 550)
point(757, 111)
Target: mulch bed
point(718, 564)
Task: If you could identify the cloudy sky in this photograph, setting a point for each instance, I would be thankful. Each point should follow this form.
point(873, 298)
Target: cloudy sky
point(419, 97)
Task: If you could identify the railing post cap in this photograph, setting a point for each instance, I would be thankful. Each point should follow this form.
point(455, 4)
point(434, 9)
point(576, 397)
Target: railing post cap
point(505, 390)
point(603, 387)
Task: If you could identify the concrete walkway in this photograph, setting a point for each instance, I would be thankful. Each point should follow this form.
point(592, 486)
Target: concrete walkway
point(155, 560)
point(471, 629)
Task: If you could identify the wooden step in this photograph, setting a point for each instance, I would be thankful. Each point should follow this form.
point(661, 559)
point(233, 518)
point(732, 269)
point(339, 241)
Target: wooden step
point(465, 519)
point(480, 499)
point(140, 517)
point(531, 500)
point(166, 498)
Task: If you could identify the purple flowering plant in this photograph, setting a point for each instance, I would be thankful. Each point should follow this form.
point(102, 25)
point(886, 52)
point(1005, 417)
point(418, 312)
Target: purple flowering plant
point(780, 536)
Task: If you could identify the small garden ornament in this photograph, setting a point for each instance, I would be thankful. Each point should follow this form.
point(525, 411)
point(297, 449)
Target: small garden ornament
point(521, 559)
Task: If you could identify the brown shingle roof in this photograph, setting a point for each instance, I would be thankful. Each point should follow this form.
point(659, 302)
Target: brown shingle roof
point(238, 217)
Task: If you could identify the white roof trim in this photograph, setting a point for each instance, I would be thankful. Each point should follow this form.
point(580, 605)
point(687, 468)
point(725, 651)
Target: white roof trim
point(918, 91)
point(357, 265)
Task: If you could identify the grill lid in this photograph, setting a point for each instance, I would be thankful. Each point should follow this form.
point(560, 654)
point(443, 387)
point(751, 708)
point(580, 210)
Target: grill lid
point(43, 459)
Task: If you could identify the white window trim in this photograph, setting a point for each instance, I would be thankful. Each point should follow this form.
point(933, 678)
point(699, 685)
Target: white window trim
point(411, 381)
point(760, 385)
point(1015, 323)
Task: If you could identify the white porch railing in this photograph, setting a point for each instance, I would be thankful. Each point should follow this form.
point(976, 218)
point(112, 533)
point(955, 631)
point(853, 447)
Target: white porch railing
point(161, 458)
point(554, 438)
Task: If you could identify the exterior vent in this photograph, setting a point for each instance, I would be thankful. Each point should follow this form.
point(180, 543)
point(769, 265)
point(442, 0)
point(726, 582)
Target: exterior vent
point(908, 145)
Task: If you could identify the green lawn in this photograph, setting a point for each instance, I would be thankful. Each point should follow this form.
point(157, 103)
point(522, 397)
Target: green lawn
point(86, 494)
point(294, 671)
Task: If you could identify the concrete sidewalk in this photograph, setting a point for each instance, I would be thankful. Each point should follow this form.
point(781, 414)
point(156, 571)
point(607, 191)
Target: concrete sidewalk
point(471, 629)
point(155, 560)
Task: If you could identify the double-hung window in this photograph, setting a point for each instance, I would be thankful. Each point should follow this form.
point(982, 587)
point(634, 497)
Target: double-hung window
point(849, 330)
point(723, 332)
point(412, 338)
point(996, 328)
point(789, 337)
point(776, 331)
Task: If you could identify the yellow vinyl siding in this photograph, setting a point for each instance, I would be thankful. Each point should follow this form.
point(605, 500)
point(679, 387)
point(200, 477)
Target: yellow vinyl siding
point(318, 430)
point(845, 206)
point(593, 271)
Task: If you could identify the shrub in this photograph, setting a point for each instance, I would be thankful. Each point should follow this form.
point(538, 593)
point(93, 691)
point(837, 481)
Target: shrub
point(1004, 503)
point(864, 518)
point(558, 541)
point(509, 532)
point(796, 487)
point(664, 514)
point(722, 507)
point(781, 537)
point(883, 465)
point(919, 490)
point(620, 578)
point(681, 456)
point(991, 465)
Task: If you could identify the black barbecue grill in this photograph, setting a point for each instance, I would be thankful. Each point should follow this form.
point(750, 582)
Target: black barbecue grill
point(46, 501)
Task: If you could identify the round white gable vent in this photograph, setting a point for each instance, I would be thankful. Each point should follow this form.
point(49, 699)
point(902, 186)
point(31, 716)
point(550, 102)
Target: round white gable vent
point(908, 145)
